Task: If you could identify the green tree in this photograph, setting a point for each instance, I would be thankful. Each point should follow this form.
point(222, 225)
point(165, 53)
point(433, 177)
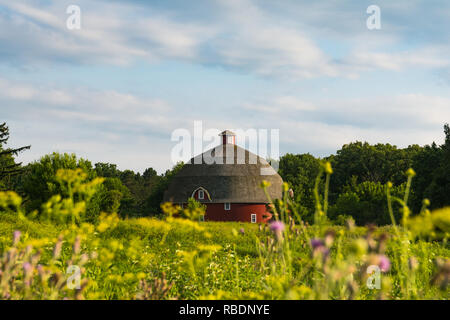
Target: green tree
point(366, 203)
point(107, 170)
point(425, 164)
point(111, 200)
point(8, 166)
point(377, 163)
point(116, 197)
point(40, 184)
point(300, 172)
point(438, 190)
point(39, 179)
point(155, 199)
point(140, 187)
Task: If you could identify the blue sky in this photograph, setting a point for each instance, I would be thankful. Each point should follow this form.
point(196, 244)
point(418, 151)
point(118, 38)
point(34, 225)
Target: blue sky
point(116, 89)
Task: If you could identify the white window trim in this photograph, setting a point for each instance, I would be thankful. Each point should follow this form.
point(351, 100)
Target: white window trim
point(253, 218)
point(201, 194)
point(201, 217)
point(227, 206)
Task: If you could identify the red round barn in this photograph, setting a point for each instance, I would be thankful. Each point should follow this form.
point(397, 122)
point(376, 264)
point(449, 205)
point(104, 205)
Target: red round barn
point(227, 179)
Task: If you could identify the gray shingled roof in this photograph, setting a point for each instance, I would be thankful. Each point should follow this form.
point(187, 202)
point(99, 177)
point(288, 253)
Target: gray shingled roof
point(229, 173)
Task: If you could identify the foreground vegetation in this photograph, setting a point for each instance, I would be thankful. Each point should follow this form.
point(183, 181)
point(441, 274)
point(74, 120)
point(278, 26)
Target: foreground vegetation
point(181, 258)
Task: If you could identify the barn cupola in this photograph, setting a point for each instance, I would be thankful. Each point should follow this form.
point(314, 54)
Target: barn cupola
point(228, 137)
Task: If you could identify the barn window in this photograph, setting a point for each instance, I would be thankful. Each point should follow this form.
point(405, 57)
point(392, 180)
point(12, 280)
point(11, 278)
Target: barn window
point(253, 217)
point(227, 206)
point(201, 194)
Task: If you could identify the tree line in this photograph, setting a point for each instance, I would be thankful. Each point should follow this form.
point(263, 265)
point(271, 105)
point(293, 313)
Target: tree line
point(357, 189)
point(361, 172)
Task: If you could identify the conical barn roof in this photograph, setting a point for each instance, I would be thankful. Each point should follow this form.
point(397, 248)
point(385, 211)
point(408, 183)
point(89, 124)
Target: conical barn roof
point(229, 173)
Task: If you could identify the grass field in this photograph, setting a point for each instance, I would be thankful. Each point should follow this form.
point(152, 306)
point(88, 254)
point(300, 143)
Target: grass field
point(181, 258)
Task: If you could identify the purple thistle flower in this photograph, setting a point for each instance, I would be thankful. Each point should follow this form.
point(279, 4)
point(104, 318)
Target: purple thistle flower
point(325, 253)
point(277, 227)
point(16, 237)
point(242, 231)
point(316, 243)
point(319, 249)
point(40, 270)
point(27, 268)
point(384, 263)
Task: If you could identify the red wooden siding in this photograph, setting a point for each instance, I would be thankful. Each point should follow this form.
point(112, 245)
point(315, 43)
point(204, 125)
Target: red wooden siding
point(238, 212)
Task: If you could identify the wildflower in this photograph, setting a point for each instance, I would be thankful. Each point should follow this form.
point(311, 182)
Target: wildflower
point(384, 263)
point(141, 275)
point(265, 184)
point(410, 172)
point(291, 224)
point(319, 249)
point(57, 248)
point(277, 226)
point(77, 245)
point(325, 253)
point(41, 271)
point(84, 258)
point(27, 267)
point(94, 255)
point(359, 247)
point(316, 243)
point(27, 273)
point(442, 276)
point(291, 193)
point(242, 231)
point(327, 167)
point(16, 237)
point(329, 237)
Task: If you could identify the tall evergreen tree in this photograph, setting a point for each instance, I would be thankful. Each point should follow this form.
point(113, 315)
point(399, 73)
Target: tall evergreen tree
point(8, 166)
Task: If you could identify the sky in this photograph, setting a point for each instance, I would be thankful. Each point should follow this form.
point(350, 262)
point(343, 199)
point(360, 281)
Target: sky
point(117, 88)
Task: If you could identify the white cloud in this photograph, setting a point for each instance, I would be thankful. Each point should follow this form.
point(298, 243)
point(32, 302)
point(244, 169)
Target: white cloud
point(254, 40)
point(322, 139)
point(397, 111)
point(429, 58)
point(100, 125)
point(281, 105)
point(401, 119)
point(243, 35)
point(109, 34)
